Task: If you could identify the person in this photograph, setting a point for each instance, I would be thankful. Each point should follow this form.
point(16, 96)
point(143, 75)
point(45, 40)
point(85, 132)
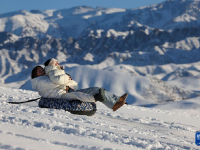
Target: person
point(58, 76)
point(43, 84)
point(47, 89)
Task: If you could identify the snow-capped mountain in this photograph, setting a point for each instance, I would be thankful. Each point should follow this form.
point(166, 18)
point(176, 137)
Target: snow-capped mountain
point(160, 40)
point(151, 52)
point(168, 15)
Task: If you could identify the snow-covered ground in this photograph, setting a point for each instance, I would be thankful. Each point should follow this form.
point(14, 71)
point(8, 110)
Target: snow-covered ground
point(161, 76)
point(27, 126)
point(161, 115)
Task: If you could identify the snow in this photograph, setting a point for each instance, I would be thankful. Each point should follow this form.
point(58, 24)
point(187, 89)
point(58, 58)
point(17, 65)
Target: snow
point(49, 12)
point(115, 34)
point(151, 121)
point(161, 76)
point(89, 57)
point(27, 126)
point(101, 11)
point(146, 124)
point(3, 25)
point(185, 17)
point(56, 22)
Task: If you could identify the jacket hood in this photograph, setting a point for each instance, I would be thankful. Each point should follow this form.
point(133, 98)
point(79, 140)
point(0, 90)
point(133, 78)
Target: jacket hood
point(49, 68)
point(52, 62)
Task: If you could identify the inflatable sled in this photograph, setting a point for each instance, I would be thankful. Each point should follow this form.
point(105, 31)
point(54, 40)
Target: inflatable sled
point(74, 107)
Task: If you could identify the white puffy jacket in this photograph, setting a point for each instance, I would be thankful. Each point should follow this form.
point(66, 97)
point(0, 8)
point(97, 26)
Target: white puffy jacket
point(47, 89)
point(58, 76)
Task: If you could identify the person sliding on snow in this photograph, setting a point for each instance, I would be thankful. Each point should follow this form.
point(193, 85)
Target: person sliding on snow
point(47, 89)
point(99, 94)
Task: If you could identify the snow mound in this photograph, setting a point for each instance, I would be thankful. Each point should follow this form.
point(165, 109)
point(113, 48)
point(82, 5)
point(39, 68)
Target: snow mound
point(160, 91)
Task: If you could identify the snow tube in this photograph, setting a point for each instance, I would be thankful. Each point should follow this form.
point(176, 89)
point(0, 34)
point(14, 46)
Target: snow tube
point(74, 107)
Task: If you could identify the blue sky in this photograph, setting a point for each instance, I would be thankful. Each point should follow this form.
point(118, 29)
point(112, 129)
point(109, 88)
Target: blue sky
point(13, 5)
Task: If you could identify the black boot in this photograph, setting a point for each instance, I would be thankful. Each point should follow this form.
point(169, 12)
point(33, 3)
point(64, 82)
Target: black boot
point(100, 96)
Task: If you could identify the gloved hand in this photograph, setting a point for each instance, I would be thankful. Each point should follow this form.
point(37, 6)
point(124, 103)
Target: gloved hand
point(69, 76)
point(67, 88)
point(61, 67)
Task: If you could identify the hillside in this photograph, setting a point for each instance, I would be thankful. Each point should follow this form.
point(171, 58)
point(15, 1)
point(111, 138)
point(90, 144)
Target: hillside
point(27, 126)
point(151, 53)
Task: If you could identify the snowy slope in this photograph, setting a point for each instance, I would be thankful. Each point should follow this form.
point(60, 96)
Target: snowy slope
point(26, 126)
point(150, 52)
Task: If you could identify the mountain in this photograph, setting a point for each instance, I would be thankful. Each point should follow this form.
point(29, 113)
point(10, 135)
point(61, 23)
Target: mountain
point(72, 22)
point(150, 52)
point(160, 40)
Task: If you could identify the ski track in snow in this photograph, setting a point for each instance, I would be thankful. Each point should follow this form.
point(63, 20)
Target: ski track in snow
point(131, 127)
